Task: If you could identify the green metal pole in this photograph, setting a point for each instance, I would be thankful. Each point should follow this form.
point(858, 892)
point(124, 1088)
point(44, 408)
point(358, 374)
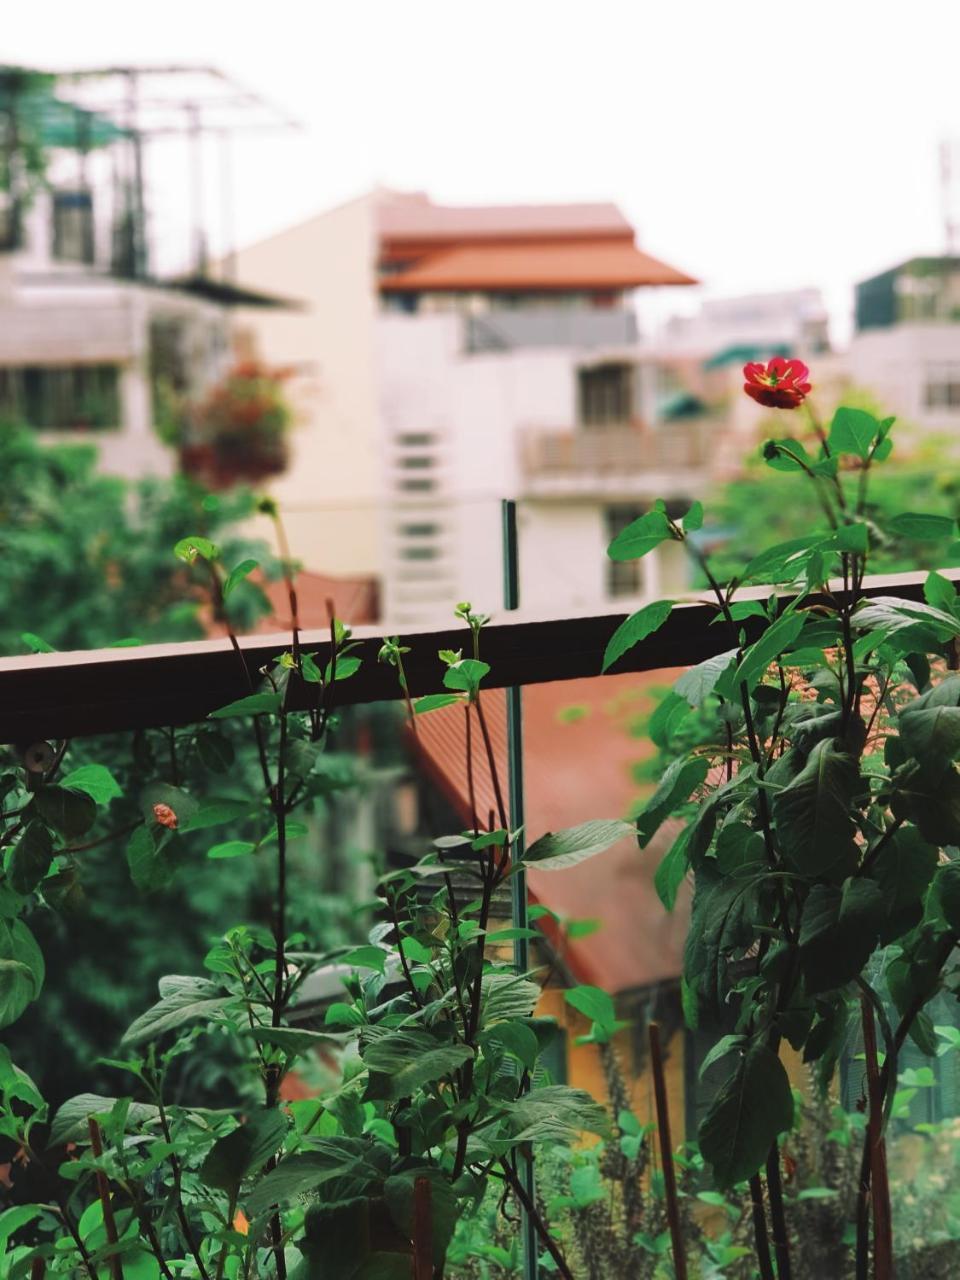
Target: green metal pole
point(518, 882)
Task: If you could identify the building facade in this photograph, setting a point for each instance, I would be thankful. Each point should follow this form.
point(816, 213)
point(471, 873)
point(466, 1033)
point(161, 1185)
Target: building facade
point(452, 357)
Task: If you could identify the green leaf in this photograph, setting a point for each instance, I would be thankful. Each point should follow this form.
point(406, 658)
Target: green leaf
point(96, 780)
point(675, 787)
point(671, 711)
point(36, 644)
point(672, 870)
point(298, 1175)
point(922, 527)
point(189, 550)
point(747, 1115)
point(434, 701)
point(838, 932)
point(183, 1000)
point(724, 1046)
point(931, 734)
point(813, 813)
point(784, 562)
point(514, 1038)
point(634, 629)
point(556, 851)
point(366, 958)
point(293, 1040)
point(693, 520)
point(231, 849)
point(555, 1113)
point(70, 1122)
point(237, 575)
point(786, 455)
point(851, 538)
point(699, 682)
point(149, 870)
point(466, 675)
point(779, 636)
point(247, 1148)
point(216, 813)
point(71, 813)
point(255, 704)
point(853, 431)
point(31, 858)
point(21, 970)
point(347, 666)
point(640, 536)
point(593, 1003)
point(939, 592)
point(401, 1062)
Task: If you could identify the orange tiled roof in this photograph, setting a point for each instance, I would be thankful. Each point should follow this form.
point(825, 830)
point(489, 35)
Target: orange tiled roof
point(573, 772)
point(592, 264)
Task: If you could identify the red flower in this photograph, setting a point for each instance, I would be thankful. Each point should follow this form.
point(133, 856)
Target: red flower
point(165, 816)
point(779, 384)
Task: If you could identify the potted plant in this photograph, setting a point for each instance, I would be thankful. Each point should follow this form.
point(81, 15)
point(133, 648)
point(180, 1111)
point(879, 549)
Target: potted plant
point(238, 431)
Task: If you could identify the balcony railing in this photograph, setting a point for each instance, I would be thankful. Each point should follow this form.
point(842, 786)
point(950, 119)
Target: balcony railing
point(577, 327)
point(626, 457)
point(67, 695)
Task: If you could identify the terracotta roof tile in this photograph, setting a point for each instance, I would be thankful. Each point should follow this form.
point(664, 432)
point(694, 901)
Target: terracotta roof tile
point(565, 265)
point(576, 768)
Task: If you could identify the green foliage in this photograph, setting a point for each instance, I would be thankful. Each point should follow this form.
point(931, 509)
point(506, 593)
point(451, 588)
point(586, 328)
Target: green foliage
point(821, 753)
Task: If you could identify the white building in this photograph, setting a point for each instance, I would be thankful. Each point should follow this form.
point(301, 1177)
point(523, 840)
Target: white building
point(906, 346)
point(86, 336)
point(458, 356)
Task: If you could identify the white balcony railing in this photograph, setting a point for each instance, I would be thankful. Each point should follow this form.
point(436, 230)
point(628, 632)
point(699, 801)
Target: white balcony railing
point(625, 457)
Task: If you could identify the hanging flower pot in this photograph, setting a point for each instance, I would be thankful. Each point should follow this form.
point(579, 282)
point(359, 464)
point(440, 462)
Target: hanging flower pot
point(238, 433)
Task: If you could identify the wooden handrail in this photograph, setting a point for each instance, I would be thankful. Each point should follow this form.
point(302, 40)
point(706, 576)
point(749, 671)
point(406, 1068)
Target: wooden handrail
point(67, 695)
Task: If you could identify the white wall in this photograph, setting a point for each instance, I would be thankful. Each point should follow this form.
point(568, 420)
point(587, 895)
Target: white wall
point(895, 364)
point(332, 493)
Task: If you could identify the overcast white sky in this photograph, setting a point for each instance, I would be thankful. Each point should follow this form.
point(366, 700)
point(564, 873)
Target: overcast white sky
point(755, 145)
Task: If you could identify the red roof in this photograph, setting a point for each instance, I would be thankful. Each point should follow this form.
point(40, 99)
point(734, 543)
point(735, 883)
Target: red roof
point(554, 266)
point(576, 769)
point(511, 248)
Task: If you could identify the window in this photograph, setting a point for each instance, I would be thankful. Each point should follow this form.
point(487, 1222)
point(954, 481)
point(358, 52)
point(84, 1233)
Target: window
point(623, 578)
point(411, 485)
point(605, 394)
point(416, 462)
point(942, 387)
point(73, 226)
point(57, 398)
point(415, 438)
point(419, 530)
point(419, 553)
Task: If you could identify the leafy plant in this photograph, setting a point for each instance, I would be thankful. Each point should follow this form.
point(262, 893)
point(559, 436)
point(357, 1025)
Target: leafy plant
point(823, 827)
point(435, 1085)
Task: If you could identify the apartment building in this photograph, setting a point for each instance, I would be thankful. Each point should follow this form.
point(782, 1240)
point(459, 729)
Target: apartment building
point(457, 356)
point(906, 344)
point(87, 334)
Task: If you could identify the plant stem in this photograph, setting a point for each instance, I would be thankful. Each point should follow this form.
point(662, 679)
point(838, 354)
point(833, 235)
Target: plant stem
point(778, 1219)
point(516, 1186)
point(492, 765)
point(422, 1229)
point(666, 1152)
point(882, 1232)
point(181, 1212)
point(103, 1191)
point(760, 1237)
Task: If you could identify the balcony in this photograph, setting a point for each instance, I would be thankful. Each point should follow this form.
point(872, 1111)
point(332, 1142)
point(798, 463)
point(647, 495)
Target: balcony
point(574, 327)
point(626, 459)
